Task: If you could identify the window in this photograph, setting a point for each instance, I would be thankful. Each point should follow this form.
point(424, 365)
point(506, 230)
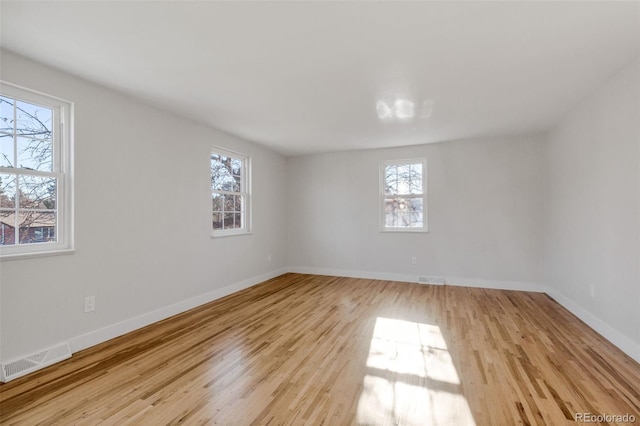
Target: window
point(230, 193)
point(402, 195)
point(35, 173)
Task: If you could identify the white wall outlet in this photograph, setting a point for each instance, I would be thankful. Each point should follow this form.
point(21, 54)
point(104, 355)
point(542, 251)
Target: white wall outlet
point(269, 257)
point(89, 303)
point(414, 260)
point(592, 290)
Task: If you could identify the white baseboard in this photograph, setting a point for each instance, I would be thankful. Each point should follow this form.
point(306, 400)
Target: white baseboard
point(624, 343)
point(457, 281)
point(123, 327)
point(495, 284)
point(370, 275)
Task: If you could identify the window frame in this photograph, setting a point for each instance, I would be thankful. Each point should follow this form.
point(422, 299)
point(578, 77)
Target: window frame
point(382, 195)
point(62, 170)
point(245, 192)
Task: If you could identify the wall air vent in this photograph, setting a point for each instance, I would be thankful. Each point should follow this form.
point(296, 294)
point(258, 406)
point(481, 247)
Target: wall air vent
point(431, 279)
point(20, 367)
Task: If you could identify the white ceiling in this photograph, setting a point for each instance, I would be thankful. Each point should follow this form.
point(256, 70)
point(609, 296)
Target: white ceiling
point(304, 77)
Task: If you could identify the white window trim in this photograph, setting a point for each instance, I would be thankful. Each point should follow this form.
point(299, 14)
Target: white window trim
point(63, 155)
point(245, 188)
point(382, 195)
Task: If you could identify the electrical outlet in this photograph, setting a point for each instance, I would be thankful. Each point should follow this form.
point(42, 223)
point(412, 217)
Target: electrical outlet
point(89, 303)
point(592, 290)
point(269, 257)
point(414, 260)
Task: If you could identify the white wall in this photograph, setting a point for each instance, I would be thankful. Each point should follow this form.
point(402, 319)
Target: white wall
point(484, 214)
point(591, 211)
point(142, 222)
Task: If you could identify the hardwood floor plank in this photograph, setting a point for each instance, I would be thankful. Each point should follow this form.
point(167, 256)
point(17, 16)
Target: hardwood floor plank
point(304, 349)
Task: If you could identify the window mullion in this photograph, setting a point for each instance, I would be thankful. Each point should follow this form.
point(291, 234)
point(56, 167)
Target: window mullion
point(226, 192)
point(19, 171)
point(404, 196)
point(15, 138)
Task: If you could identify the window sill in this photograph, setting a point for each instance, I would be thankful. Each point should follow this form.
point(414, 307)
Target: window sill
point(29, 255)
point(223, 234)
point(405, 230)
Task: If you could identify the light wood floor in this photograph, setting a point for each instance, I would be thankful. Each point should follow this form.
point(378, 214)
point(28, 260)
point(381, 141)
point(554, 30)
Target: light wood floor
point(303, 349)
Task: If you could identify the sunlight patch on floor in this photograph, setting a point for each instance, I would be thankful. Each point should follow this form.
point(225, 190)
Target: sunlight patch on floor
point(411, 378)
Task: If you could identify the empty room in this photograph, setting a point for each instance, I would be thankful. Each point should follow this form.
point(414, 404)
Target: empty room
point(319, 213)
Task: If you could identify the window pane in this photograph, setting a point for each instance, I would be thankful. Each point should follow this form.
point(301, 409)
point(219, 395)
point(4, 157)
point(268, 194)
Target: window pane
point(228, 221)
point(33, 120)
point(35, 154)
point(7, 191)
point(223, 177)
point(391, 219)
point(37, 227)
point(37, 192)
point(391, 179)
point(238, 220)
point(403, 212)
point(403, 179)
point(6, 114)
point(415, 212)
point(216, 221)
point(7, 227)
point(236, 168)
point(409, 179)
point(6, 150)
point(390, 215)
point(229, 203)
point(217, 202)
point(414, 178)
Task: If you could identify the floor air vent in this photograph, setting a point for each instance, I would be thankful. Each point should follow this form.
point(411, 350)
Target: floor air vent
point(430, 279)
point(13, 370)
